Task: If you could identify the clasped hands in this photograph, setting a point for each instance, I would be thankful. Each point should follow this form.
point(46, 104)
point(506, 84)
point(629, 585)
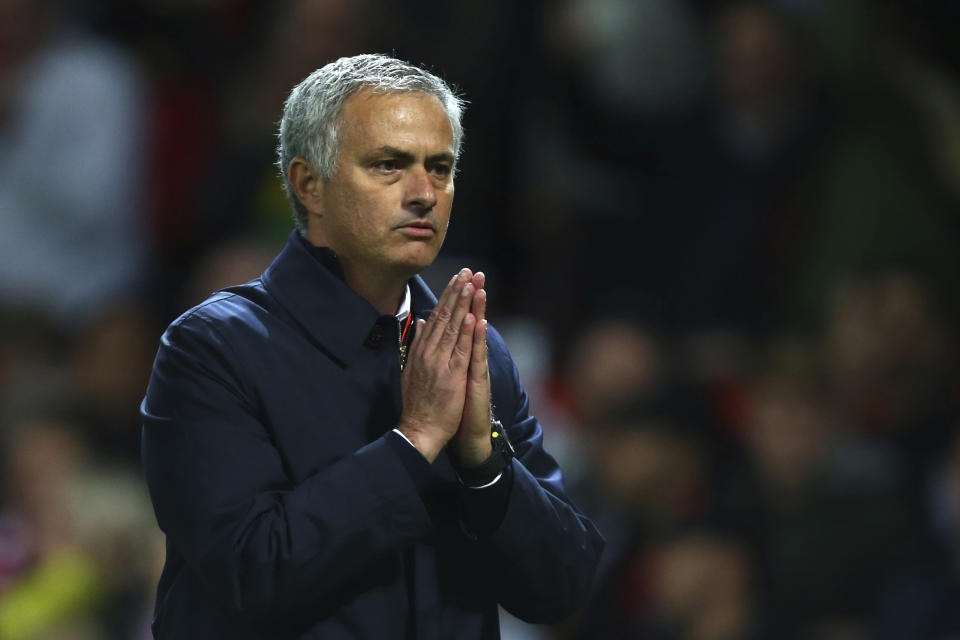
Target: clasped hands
point(446, 383)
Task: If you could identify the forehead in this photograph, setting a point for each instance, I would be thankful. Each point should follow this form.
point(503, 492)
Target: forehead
point(405, 120)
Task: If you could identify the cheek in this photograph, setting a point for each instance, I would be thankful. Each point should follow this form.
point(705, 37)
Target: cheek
point(356, 214)
point(445, 207)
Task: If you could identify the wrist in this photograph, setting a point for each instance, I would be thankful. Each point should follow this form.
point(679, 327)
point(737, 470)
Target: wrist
point(428, 446)
point(472, 453)
point(498, 454)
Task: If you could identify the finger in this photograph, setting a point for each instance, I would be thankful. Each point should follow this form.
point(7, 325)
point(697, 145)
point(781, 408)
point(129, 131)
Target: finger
point(478, 359)
point(443, 311)
point(447, 339)
point(448, 291)
point(479, 305)
point(417, 341)
point(479, 279)
point(460, 358)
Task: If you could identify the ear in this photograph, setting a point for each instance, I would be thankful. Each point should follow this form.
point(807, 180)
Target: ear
point(307, 185)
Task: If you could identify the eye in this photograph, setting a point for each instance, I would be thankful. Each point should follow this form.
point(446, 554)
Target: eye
point(441, 170)
point(385, 166)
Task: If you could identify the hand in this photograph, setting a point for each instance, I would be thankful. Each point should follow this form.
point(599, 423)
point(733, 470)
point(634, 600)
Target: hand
point(471, 446)
point(434, 379)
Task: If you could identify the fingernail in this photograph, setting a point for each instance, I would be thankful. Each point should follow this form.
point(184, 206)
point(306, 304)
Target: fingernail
point(462, 275)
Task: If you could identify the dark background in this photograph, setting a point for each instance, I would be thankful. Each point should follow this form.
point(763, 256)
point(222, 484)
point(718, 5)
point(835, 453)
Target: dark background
point(721, 240)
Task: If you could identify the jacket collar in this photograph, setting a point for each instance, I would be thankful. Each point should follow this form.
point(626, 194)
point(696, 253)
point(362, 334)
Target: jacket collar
point(422, 300)
point(308, 283)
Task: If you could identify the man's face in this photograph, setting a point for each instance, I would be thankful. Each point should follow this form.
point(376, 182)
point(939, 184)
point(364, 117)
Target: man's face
point(386, 209)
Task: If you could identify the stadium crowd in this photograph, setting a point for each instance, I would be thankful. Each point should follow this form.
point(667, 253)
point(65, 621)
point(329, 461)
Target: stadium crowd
point(721, 239)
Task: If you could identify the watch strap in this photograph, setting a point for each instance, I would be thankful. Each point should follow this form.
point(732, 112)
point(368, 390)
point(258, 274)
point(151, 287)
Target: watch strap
point(496, 462)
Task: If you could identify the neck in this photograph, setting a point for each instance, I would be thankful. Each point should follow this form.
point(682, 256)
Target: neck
point(384, 291)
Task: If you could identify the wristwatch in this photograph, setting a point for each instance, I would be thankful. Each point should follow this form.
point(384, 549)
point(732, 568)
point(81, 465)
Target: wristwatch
point(494, 465)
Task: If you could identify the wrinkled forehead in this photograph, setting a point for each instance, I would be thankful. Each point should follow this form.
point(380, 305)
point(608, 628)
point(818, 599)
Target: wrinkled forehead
point(384, 100)
point(405, 116)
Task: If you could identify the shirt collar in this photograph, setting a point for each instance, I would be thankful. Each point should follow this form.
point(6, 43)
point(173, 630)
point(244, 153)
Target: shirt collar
point(404, 310)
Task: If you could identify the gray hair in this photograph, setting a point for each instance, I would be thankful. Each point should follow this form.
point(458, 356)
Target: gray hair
point(311, 115)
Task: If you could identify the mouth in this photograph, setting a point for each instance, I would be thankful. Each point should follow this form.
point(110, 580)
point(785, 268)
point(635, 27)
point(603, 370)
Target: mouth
point(418, 229)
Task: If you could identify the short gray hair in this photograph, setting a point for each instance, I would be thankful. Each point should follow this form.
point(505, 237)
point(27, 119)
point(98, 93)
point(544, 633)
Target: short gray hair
point(311, 115)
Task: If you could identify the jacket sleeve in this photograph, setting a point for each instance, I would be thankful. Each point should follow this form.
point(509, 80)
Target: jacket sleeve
point(220, 492)
point(544, 552)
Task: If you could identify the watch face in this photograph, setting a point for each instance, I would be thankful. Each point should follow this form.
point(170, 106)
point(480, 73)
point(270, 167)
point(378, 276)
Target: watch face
point(501, 442)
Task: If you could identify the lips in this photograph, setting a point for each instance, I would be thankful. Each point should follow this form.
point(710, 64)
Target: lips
point(421, 229)
point(418, 224)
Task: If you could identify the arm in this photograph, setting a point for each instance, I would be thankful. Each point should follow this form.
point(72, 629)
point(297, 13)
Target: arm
point(218, 485)
point(544, 552)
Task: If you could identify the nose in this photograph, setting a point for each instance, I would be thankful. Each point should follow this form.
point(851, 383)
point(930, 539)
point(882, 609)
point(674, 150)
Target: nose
point(420, 195)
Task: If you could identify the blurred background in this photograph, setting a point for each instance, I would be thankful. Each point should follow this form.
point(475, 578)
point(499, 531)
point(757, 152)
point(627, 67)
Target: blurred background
point(721, 240)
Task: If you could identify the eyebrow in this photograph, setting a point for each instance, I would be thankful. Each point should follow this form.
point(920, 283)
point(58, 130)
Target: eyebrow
point(406, 156)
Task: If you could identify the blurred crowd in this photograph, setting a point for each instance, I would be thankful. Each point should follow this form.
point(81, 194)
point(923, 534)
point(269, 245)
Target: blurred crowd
point(721, 240)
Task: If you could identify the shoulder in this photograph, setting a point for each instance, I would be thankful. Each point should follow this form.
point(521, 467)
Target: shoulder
point(214, 340)
point(237, 310)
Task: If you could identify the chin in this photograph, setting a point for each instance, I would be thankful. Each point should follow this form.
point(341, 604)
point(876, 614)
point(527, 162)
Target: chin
point(418, 259)
point(412, 268)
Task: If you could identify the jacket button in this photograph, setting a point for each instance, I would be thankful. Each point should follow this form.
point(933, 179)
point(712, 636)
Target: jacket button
point(375, 337)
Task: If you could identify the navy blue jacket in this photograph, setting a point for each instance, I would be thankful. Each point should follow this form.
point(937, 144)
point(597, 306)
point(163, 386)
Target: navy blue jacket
point(292, 510)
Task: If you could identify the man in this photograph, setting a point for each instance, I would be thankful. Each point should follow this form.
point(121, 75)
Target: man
point(319, 443)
